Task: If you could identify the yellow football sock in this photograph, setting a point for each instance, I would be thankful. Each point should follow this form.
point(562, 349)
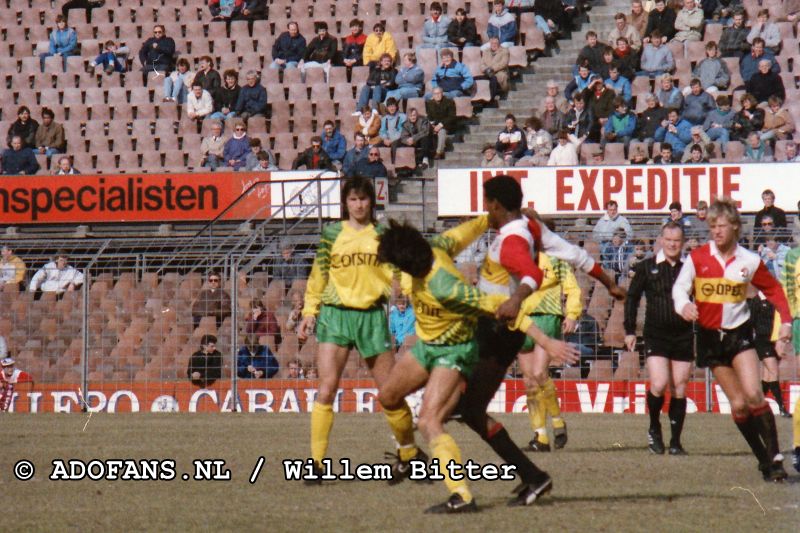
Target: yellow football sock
point(796, 423)
point(445, 449)
point(551, 403)
point(532, 407)
point(540, 417)
point(402, 426)
point(321, 424)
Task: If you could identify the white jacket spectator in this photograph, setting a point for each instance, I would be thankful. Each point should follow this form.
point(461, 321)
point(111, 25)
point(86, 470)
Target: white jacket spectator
point(765, 29)
point(689, 22)
point(611, 222)
point(56, 276)
point(3, 347)
point(565, 153)
point(199, 103)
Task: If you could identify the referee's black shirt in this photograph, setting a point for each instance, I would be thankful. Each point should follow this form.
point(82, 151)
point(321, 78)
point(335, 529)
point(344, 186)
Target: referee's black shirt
point(762, 315)
point(655, 277)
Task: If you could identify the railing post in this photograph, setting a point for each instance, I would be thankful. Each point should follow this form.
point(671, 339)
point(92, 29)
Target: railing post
point(85, 335)
point(234, 267)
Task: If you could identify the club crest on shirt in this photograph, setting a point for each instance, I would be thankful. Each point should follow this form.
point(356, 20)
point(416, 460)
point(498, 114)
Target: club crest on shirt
point(744, 272)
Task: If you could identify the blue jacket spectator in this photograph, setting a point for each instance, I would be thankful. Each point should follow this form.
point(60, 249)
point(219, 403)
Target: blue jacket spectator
point(434, 31)
point(656, 60)
point(288, 47)
point(333, 142)
point(697, 106)
point(19, 160)
point(623, 125)
point(263, 361)
point(392, 126)
point(109, 60)
point(502, 25)
point(453, 77)
point(252, 97)
point(748, 64)
point(667, 94)
point(678, 133)
point(63, 41)
point(579, 83)
point(410, 79)
point(621, 85)
point(401, 322)
point(158, 52)
point(371, 166)
point(355, 154)
point(236, 149)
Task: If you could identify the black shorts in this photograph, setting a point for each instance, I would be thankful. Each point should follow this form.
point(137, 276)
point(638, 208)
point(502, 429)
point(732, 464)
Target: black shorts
point(496, 341)
point(718, 347)
point(765, 349)
point(678, 349)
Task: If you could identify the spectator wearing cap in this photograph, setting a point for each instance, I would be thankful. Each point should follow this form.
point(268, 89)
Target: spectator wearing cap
point(756, 150)
point(748, 64)
point(650, 119)
point(676, 215)
point(777, 214)
point(511, 141)
point(580, 81)
point(453, 77)
point(502, 25)
point(490, 158)
point(65, 167)
point(12, 269)
point(561, 102)
point(49, 138)
point(712, 71)
point(63, 42)
point(334, 143)
point(461, 32)
point(657, 59)
point(665, 155)
point(765, 83)
point(57, 276)
point(767, 30)
point(205, 365)
point(19, 160)
point(778, 122)
point(689, 22)
point(434, 30)
point(661, 18)
point(565, 152)
point(409, 80)
point(676, 131)
point(623, 29)
point(157, 53)
point(313, 157)
point(372, 166)
point(719, 121)
point(321, 50)
point(733, 41)
point(494, 65)
point(235, 151)
point(378, 42)
point(252, 101)
point(697, 103)
point(289, 48)
point(353, 49)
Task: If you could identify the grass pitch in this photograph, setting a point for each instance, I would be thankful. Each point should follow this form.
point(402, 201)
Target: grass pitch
point(605, 479)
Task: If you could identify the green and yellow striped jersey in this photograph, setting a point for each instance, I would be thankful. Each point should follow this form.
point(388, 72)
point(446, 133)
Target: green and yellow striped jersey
point(790, 279)
point(558, 279)
point(346, 271)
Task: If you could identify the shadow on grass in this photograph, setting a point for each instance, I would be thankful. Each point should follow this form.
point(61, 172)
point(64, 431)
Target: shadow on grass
point(611, 449)
point(612, 499)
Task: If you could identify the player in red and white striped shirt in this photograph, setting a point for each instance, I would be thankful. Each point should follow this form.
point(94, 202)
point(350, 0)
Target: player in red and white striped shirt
point(718, 273)
point(8, 378)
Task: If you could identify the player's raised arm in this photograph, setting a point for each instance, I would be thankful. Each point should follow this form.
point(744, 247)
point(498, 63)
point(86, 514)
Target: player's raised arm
point(456, 239)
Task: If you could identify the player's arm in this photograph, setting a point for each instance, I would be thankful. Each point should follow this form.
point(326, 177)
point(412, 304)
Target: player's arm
point(456, 239)
point(635, 290)
point(682, 290)
point(788, 279)
point(574, 304)
point(515, 257)
point(560, 352)
point(459, 297)
point(763, 281)
point(317, 282)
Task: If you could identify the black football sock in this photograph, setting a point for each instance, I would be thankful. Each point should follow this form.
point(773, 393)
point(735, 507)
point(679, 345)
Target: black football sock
point(654, 405)
point(749, 430)
point(765, 422)
point(677, 414)
point(775, 389)
point(500, 441)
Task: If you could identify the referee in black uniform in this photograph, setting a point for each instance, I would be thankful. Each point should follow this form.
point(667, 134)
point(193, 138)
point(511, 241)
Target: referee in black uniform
point(667, 337)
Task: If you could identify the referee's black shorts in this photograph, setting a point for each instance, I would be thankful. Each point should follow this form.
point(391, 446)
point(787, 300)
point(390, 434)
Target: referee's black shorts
point(718, 347)
point(676, 349)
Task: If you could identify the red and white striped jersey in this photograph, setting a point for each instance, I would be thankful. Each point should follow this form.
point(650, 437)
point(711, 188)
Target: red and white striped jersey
point(7, 386)
point(720, 287)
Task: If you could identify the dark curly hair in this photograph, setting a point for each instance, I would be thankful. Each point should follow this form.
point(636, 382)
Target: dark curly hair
point(505, 190)
point(403, 246)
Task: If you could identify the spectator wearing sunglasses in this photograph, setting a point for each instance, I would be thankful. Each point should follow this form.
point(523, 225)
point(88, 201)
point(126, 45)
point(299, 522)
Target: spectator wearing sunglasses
point(212, 301)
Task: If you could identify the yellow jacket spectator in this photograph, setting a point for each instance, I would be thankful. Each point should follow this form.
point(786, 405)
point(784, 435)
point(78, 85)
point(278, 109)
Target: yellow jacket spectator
point(379, 42)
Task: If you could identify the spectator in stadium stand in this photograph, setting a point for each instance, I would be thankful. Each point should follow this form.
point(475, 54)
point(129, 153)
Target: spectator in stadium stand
point(261, 321)
point(668, 95)
point(265, 161)
point(378, 42)
point(550, 17)
point(205, 365)
point(178, 83)
point(718, 123)
point(63, 42)
point(49, 139)
point(12, 272)
point(256, 361)
point(434, 30)
point(748, 119)
point(587, 338)
point(235, 149)
point(453, 77)
point(598, 157)
point(379, 82)
point(296, 313)
point(57, 276)
point(226, 96)
point(251, 160)
point(762, 27)
point(565, 152)
point(638, 255)
point(503, 25)
point(579, 119)
point(773, 254)
point(224, 9)
point(763, 230)
point(157, 53)
point(689, 22)
point(778, 121)
point(623, 29)
point(212, 148)
point(638, 17)
point(289, 267)
point(87, 5)
point(334, 143)
point(253, 10)
point(661, 18)
point(490, 158)
point(733, 41)
point(695, 155)
point(639, 156)
point(391, 124)
point(409, 80)
point(580, 81)
point(320, 51)
point(698, 137)
point(416, 133)
point(295, 369)
point(626, 59)
point(657, 58)
point(206, 76)
point(614, 255)
point(213, 300)
point(601, 102)
point(313, 157)
point(19, 160)
point(494, 65)
point(461, 32)
point(792, 156)
point(111, 59)
point(770, 209)
point(441, 112)
point(289, 48)
point(553, 91)
point(591, 55)
point(24, 127)
point(677, 131)
point(553, 120)
point(353, 48)
point(748, 64)
point(372, 166)
point(353, 155)
point(610, 222)
point(252, 101)
point(539, 143)
point(698, 222)
point(621, 125)
point(765, 83)
point(650, 119)
point(65, 167)
point(619, 84)
point(756, 150)
point(712, 71)
point(665, 155)
point(368, 122)
point(401, 321)
point(511, 142)
point(697, 103)
point(199, 104)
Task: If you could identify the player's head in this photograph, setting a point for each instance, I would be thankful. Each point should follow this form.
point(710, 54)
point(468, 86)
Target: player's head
point(403, 246)
point(724, 221)
point(8, 366)
point(502, 196)
point(358, 199)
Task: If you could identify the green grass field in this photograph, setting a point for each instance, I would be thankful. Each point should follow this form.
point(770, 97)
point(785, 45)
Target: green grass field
point(605, 479)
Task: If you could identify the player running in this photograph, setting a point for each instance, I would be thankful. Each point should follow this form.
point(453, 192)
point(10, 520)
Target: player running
point(717, 273)
point(547, 311)
point(347, 289)
point(446, 307)
point(668, 339)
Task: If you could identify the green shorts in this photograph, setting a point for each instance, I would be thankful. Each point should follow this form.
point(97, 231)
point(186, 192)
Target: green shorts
point(366, 330)
point(796, 335)
point(550, 326)
point(461, 357)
